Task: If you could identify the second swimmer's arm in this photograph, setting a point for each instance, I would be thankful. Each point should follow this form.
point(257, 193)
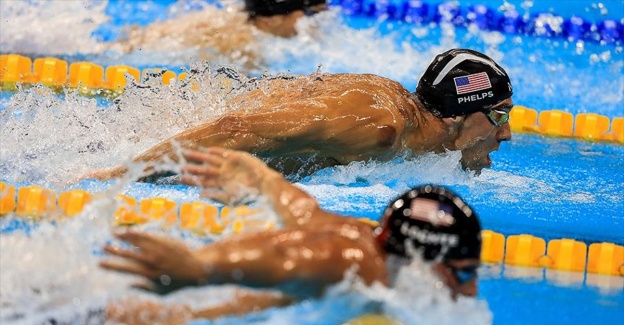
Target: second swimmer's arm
point(292, 204)
point(229, 176)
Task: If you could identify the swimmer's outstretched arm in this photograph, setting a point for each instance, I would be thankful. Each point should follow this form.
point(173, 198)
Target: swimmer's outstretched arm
point(233, 176)
point(297, 260)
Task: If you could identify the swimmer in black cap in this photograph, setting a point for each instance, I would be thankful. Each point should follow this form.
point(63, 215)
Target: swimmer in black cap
point(230, 32)
point(314, 248)
point(462, 103)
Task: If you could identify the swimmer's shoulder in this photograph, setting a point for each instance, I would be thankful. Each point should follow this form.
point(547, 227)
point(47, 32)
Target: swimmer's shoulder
point(368, 78)
point(327, 79)
point(367, 81)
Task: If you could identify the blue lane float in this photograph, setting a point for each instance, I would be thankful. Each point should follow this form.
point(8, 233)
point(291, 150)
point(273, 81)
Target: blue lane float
point(485, 18)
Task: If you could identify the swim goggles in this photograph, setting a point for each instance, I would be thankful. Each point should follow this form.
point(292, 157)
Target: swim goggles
point(463, 274)
point(499, 115)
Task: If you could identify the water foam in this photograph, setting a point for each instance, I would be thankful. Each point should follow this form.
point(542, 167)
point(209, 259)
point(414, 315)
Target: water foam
point(52, 270)
point(324, 40)
point(50, 267)
point(51, 27)
point(50, 139)
point(417, 297)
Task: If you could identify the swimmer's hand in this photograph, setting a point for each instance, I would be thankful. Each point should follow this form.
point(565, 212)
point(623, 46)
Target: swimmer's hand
point(228, 176)
point(168, 264)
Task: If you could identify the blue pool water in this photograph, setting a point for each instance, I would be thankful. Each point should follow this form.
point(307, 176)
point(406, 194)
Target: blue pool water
point(548, 187)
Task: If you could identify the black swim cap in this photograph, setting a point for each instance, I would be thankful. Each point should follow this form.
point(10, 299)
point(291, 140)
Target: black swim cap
point(269, 8)
point(461, 82)
point(312, 3)
point(432, 220)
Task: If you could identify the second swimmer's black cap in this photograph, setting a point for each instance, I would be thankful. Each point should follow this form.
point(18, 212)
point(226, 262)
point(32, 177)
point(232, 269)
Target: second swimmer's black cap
point(269, 8)
point(431, 220)
point(461, 82)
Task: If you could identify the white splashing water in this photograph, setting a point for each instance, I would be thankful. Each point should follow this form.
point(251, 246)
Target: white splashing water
point(325, 40)
point(50, 27)
point(420, 298)
point(53, 270)
point(376, 183)
point(417, 297)
point(50, 139)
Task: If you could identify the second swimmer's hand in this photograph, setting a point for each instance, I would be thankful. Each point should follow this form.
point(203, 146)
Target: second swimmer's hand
point(168, 264)
point(228, 176)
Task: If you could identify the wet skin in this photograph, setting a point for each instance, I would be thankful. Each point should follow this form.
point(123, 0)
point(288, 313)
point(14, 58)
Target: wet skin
point(312, 250)
point(298, 260)
point(335, 119)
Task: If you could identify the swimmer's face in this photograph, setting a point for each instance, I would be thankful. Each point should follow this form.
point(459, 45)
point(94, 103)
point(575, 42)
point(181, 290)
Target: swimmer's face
point(477, 137)
point(459, 275)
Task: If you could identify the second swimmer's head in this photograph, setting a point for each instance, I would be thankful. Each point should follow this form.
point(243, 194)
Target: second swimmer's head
point(431, 220)
point(434, 223)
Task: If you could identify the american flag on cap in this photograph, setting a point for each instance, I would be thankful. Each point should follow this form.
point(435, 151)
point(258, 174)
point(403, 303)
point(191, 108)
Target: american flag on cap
point(472, 82)
point(431, 211)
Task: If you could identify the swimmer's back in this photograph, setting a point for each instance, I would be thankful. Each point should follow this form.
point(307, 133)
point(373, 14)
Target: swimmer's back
point(276, 92)
point(345, 117)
